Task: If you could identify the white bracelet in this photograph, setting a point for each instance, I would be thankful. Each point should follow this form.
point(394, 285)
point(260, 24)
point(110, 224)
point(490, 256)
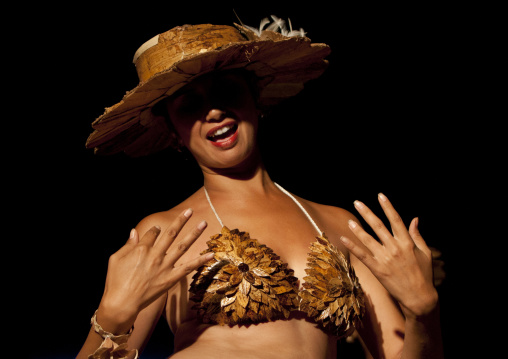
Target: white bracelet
point(113, 346)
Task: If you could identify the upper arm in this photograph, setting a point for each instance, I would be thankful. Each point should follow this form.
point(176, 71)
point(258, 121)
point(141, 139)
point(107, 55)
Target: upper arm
point(383, 324)
point(145, 323)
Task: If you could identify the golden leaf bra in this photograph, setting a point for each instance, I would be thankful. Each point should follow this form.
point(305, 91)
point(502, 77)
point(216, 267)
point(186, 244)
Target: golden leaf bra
point(246, 282)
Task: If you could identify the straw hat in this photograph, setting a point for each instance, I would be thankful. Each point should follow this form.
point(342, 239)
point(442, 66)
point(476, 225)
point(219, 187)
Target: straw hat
point(174, 58)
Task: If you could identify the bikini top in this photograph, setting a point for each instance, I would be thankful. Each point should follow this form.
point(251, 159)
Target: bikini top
point(246, 283)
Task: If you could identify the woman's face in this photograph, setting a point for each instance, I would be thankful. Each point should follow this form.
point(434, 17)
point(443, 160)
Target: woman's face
point(216, 118)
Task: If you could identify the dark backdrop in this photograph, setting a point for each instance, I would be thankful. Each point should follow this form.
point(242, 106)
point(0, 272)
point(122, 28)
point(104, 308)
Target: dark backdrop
point(390, 114)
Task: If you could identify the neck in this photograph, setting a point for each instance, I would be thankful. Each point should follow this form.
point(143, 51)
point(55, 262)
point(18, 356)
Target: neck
point(253, 180)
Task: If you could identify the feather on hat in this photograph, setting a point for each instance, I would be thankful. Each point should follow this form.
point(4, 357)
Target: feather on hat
point(283, 61)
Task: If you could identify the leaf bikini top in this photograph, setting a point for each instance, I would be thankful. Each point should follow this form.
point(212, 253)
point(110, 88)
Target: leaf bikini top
point(246, 282)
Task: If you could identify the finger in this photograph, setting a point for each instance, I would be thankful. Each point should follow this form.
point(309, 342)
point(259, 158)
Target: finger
point(417, 237)
point(179, 248)
point(150, 236)
point(133, 240)
point(364, 238)
point(399, 230)
point(436, 253)
point(172, 231)
point(133, 237)
point(187, 268)
point(359, 252)
point(375, 223)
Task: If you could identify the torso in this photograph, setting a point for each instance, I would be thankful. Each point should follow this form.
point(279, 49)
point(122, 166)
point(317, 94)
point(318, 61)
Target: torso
point(281, 225)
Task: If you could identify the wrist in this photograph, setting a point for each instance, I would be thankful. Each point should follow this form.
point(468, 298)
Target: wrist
point(115, 319)
point(113, 345)
point(425, 306)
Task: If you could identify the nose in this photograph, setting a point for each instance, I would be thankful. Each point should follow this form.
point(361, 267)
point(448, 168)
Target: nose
point(215, 115)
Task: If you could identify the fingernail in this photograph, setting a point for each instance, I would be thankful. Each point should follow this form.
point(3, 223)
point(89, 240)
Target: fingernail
point(382, 197)
point(351, 223)
point(132, 234)
point(188, 213)
point(358, 204)
point(345, 240)
point(202, 225)
point(416, 222)
point(209, 256)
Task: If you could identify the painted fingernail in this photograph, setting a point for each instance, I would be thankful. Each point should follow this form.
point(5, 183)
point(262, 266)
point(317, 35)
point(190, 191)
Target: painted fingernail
point(358, 204)
point(345, 240)
point(382, 197)
point(188, 213)
point(351, 223)
point(202, 225)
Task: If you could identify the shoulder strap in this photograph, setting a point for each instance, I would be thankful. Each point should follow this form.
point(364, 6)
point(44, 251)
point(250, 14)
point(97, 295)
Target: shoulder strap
point(283, 191)
point(301, 207)
point(213, 208)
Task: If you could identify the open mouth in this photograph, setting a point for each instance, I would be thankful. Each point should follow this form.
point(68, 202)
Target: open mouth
point(222, 133)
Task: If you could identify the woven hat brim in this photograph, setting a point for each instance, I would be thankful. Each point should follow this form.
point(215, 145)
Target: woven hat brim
point(130, 126)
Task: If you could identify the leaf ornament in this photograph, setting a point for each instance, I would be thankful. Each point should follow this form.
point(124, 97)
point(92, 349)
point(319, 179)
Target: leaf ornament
point(244, 283)
point(332, 294)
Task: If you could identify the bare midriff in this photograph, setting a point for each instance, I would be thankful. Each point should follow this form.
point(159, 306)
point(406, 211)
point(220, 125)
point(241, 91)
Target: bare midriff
point(294, 338)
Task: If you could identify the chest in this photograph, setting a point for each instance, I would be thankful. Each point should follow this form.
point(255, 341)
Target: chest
point(284, 229)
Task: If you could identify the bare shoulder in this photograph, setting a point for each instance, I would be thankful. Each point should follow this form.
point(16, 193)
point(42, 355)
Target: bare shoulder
point(332, 220)
point(331, 217)
point(165, 218)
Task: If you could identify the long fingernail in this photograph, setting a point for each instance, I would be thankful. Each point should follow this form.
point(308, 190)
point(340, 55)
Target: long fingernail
point(188, 213)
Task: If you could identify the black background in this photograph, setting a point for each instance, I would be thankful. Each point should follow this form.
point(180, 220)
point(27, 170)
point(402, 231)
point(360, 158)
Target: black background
point(398, 112)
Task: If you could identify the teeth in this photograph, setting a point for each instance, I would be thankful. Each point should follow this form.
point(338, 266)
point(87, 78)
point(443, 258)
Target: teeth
point(222, 130)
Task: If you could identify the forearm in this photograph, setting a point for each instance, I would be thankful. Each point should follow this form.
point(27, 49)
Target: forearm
point(115, 324)
point(422, 338)
point(92, 343)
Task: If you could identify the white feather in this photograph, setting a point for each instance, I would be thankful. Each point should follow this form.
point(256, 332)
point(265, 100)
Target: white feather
point(278, 25)
point(262, 24)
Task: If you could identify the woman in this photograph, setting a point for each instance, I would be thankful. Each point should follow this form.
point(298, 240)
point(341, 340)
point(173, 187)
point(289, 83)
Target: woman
point(251, 292)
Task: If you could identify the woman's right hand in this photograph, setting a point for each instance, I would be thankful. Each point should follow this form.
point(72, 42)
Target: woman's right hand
point(143, 269)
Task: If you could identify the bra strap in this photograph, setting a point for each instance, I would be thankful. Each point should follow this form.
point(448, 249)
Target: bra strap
point(301, 207)
point(283, 191)
point(213, 208)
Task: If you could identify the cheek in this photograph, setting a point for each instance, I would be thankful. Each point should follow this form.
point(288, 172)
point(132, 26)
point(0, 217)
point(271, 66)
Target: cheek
point(184, 130)
point(251, 128)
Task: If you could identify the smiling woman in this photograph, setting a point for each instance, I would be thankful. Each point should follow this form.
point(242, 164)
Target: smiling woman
point(241, 292)
point(218, 112)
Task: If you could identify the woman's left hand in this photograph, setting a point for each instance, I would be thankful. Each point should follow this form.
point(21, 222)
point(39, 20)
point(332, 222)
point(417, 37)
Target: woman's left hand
point(401, 261)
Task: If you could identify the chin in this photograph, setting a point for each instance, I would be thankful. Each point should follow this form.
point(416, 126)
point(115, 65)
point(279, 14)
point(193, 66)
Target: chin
point(235, 160)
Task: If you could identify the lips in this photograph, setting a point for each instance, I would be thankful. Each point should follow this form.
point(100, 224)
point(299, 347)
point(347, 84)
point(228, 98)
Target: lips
point(224, 135)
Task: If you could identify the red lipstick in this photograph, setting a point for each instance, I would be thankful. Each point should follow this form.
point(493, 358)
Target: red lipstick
point(223, 136)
